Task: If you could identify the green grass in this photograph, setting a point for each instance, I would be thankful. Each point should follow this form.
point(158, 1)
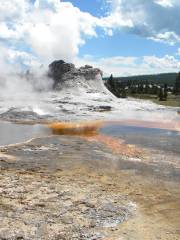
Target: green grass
point(172, 100)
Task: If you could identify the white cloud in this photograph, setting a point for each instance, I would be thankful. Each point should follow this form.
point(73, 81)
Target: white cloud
point(165, 3)
point(154, 19)
point(164, 63)
point(53, 29)
point(13, 9)
point(169, 37)
point(114, 21)
point(22, 57)
point(49, 28)
point(126, 66)
point(5, 31)
point(5, 67)
point(178, 51)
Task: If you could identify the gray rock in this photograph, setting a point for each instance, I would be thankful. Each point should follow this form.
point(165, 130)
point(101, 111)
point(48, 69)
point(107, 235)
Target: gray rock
point(61, 72)
point(100, 108)
point(58, 68)
point(14, 113)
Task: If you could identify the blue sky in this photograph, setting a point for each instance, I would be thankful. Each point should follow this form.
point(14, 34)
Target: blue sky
point(119, 36)
point(121, 43)
point(126, 45)
point(95, 7)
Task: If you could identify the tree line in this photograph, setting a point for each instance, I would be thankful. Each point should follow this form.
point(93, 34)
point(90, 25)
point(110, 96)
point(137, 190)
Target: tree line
point(133, 85)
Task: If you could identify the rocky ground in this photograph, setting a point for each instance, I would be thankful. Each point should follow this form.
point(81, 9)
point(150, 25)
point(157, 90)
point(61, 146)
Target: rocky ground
point(63, 187)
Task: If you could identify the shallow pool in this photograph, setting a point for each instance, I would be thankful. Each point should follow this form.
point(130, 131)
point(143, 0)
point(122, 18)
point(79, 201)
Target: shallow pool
point(11, 133)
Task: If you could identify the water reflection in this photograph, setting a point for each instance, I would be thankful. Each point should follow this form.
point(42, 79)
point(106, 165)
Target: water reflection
point(14, 133)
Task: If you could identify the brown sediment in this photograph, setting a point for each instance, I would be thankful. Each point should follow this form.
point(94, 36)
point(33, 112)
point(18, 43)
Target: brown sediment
point(118, 145)
point(6, 157)
point(76, 203)
point(92, 127)
point(84, 192)
point(83, 196)
point(89, 131)
point(80, 128)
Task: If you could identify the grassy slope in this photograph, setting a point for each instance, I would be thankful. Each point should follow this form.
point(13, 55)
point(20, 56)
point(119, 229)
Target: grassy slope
point(161, 79)
point(171, 101)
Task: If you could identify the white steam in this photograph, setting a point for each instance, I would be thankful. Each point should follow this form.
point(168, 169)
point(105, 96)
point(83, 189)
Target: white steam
point(22, 90)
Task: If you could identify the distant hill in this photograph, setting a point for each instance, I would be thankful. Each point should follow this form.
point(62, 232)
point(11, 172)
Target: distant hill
point(160, 79)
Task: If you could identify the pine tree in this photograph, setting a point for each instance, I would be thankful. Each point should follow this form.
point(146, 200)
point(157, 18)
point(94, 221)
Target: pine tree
point(177, 84)
point(165, 92)
point(160, 94)
point(110, 83)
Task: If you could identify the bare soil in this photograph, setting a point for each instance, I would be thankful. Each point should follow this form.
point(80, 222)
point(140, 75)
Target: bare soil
point(63, 187)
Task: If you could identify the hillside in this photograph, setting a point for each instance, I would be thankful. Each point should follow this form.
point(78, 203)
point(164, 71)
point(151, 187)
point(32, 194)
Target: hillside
point(168, 78)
